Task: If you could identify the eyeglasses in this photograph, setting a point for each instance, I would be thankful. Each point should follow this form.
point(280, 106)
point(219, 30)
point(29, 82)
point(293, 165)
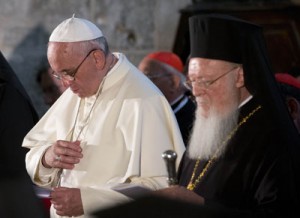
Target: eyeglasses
point(70, 75)
point(205, 83)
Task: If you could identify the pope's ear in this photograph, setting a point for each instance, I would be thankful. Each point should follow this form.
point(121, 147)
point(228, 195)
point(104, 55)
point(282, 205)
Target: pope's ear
point(99, 58)
point(240, 78)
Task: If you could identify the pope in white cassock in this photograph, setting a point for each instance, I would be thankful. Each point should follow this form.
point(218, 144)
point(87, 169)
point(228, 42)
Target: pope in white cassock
point(107, 131)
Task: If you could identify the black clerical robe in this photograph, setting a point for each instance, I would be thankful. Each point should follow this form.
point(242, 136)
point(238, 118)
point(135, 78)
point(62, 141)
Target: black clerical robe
point(184, 110)
point(254, 176)
point(17, 117)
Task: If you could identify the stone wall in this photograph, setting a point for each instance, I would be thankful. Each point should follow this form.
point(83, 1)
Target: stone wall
point(134, 27)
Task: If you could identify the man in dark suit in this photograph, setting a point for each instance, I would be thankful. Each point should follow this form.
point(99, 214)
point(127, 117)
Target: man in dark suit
point(165, 71)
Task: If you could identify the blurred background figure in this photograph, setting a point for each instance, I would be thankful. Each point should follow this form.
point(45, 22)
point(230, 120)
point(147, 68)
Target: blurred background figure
point(51, 87)
point(290, 88)
point(165, 69)
point(17, 117)
point(295, 72)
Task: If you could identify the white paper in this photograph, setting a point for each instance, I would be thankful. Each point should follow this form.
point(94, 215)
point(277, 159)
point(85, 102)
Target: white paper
point(131, 190)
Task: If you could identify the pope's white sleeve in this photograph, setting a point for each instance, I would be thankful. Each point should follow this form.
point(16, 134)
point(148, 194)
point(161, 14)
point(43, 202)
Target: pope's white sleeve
point(40, 175)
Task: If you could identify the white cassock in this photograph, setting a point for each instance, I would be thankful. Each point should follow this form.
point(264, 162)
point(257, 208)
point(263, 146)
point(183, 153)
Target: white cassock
point(127, 129)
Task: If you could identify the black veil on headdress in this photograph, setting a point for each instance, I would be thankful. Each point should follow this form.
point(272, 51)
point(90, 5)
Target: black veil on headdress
point(223, 37)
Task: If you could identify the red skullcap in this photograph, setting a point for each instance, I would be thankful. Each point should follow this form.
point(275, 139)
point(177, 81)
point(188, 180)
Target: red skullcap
point(168, 58)
point(287, 79)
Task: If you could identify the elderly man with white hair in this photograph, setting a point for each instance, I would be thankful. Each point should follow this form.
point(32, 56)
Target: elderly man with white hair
point(106, 133)
point(243, 157)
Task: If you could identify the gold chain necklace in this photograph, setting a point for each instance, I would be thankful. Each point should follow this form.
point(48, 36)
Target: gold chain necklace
point(192, 185)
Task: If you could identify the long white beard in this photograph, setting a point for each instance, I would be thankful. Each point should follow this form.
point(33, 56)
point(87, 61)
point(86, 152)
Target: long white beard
point(209, 134)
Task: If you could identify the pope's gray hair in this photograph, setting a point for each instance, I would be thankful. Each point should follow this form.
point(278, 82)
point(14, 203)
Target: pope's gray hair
point(98, 43)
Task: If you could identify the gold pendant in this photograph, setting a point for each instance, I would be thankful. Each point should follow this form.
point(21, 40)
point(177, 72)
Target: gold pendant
point(191, 186)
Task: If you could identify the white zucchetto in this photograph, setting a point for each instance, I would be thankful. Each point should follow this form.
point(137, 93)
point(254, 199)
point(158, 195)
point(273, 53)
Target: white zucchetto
point(75, 30)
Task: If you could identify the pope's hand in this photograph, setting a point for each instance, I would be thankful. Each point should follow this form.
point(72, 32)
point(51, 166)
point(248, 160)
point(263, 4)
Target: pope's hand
point(67, 201)
point(63, 154)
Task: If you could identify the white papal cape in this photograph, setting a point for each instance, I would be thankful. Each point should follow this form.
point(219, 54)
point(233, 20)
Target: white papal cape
point(129, 128)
